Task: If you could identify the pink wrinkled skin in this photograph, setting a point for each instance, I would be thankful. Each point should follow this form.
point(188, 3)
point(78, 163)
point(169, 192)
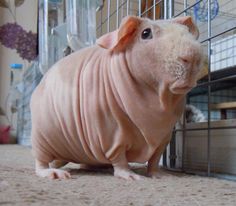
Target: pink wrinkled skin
point(118, 101)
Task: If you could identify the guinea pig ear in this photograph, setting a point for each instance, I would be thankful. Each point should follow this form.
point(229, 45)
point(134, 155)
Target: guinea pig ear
point(188, 21)
point(120, 38)
point(109, 40)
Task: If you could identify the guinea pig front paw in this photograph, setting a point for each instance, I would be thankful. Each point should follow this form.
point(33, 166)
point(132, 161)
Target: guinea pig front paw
point(53, 173)
point(126, 174)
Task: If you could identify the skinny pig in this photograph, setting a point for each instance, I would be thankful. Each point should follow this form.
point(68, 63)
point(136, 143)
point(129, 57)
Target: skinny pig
point(118, 101)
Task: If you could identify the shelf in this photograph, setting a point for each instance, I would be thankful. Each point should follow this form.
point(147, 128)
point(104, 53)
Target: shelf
point(221, 81)
point(224, 105)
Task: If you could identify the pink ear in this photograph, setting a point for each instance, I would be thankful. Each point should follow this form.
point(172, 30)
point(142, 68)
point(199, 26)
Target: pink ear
point(119, 39)
point(109, 40)
point(188, 21)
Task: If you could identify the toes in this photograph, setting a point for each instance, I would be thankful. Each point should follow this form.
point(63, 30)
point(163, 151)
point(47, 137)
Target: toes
point(60, 174)
point(67, 175)
point(127, 174)
point(54, 174)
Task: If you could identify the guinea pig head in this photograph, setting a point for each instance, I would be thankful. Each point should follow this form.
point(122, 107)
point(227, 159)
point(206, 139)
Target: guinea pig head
point(159, 53)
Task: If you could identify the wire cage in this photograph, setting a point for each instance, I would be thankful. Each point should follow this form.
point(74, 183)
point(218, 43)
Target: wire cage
point(209, 147)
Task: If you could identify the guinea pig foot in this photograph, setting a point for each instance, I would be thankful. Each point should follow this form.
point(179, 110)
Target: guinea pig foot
point(126, 174)
point(53, 173)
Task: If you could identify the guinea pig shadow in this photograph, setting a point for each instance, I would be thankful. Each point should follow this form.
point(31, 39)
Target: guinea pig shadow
point(107, 170)
point(92, 171)
point(103, 170)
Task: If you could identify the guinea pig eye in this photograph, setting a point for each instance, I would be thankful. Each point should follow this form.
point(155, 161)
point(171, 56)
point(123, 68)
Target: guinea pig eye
point(147, 34)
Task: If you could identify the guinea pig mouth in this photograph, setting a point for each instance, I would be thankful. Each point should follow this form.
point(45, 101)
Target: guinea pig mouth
point(181, 89)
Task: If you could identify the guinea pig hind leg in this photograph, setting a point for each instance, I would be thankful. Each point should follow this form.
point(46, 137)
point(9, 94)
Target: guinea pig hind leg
point(153, 170)
point(42, 170)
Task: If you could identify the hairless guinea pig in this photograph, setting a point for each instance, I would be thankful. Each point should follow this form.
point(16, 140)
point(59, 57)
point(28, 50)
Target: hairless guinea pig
point(118, 101)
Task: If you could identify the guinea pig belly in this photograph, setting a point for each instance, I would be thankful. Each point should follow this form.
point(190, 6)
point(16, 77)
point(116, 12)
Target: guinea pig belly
point(60, 128)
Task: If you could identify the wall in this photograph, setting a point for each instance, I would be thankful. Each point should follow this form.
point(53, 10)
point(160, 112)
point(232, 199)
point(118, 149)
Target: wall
point(26, 16)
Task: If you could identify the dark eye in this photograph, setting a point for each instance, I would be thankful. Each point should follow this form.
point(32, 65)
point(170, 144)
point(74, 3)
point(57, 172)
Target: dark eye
point(147, 34)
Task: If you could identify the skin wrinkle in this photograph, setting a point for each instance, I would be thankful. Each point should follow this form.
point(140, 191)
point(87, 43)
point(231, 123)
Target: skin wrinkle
point(101, 94)
point(116, 93)
point(64, 131)
point(77, 112)
point(45, 137)
point(140, 129)
point(125, 72)
point(61, 128)
point(83, 139)
point(90, 146)
point(129, 69)
point(114, 90)
point(91, 92)
point(130, 76)
point(79, 125)
point(107, 93)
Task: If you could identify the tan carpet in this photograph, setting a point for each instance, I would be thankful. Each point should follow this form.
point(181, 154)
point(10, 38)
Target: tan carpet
point(19, 186)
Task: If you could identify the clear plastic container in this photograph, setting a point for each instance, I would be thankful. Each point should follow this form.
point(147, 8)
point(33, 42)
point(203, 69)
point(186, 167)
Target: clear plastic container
point(81, 22)
point(51, 14)
point(60, 27)
point(16, 73)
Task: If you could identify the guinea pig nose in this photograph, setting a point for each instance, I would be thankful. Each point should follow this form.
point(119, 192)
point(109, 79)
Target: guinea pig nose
point(185, 60)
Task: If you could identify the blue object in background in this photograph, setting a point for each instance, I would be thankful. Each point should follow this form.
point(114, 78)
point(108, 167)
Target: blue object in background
point(16, 66)
point(201, 10)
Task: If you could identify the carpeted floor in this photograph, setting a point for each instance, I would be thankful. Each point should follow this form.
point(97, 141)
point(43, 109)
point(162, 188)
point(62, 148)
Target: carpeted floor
point(19, 186)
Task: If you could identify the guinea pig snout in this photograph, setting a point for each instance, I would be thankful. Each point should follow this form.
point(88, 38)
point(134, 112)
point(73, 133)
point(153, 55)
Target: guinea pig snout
point(186, 60)
point(188, 53)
